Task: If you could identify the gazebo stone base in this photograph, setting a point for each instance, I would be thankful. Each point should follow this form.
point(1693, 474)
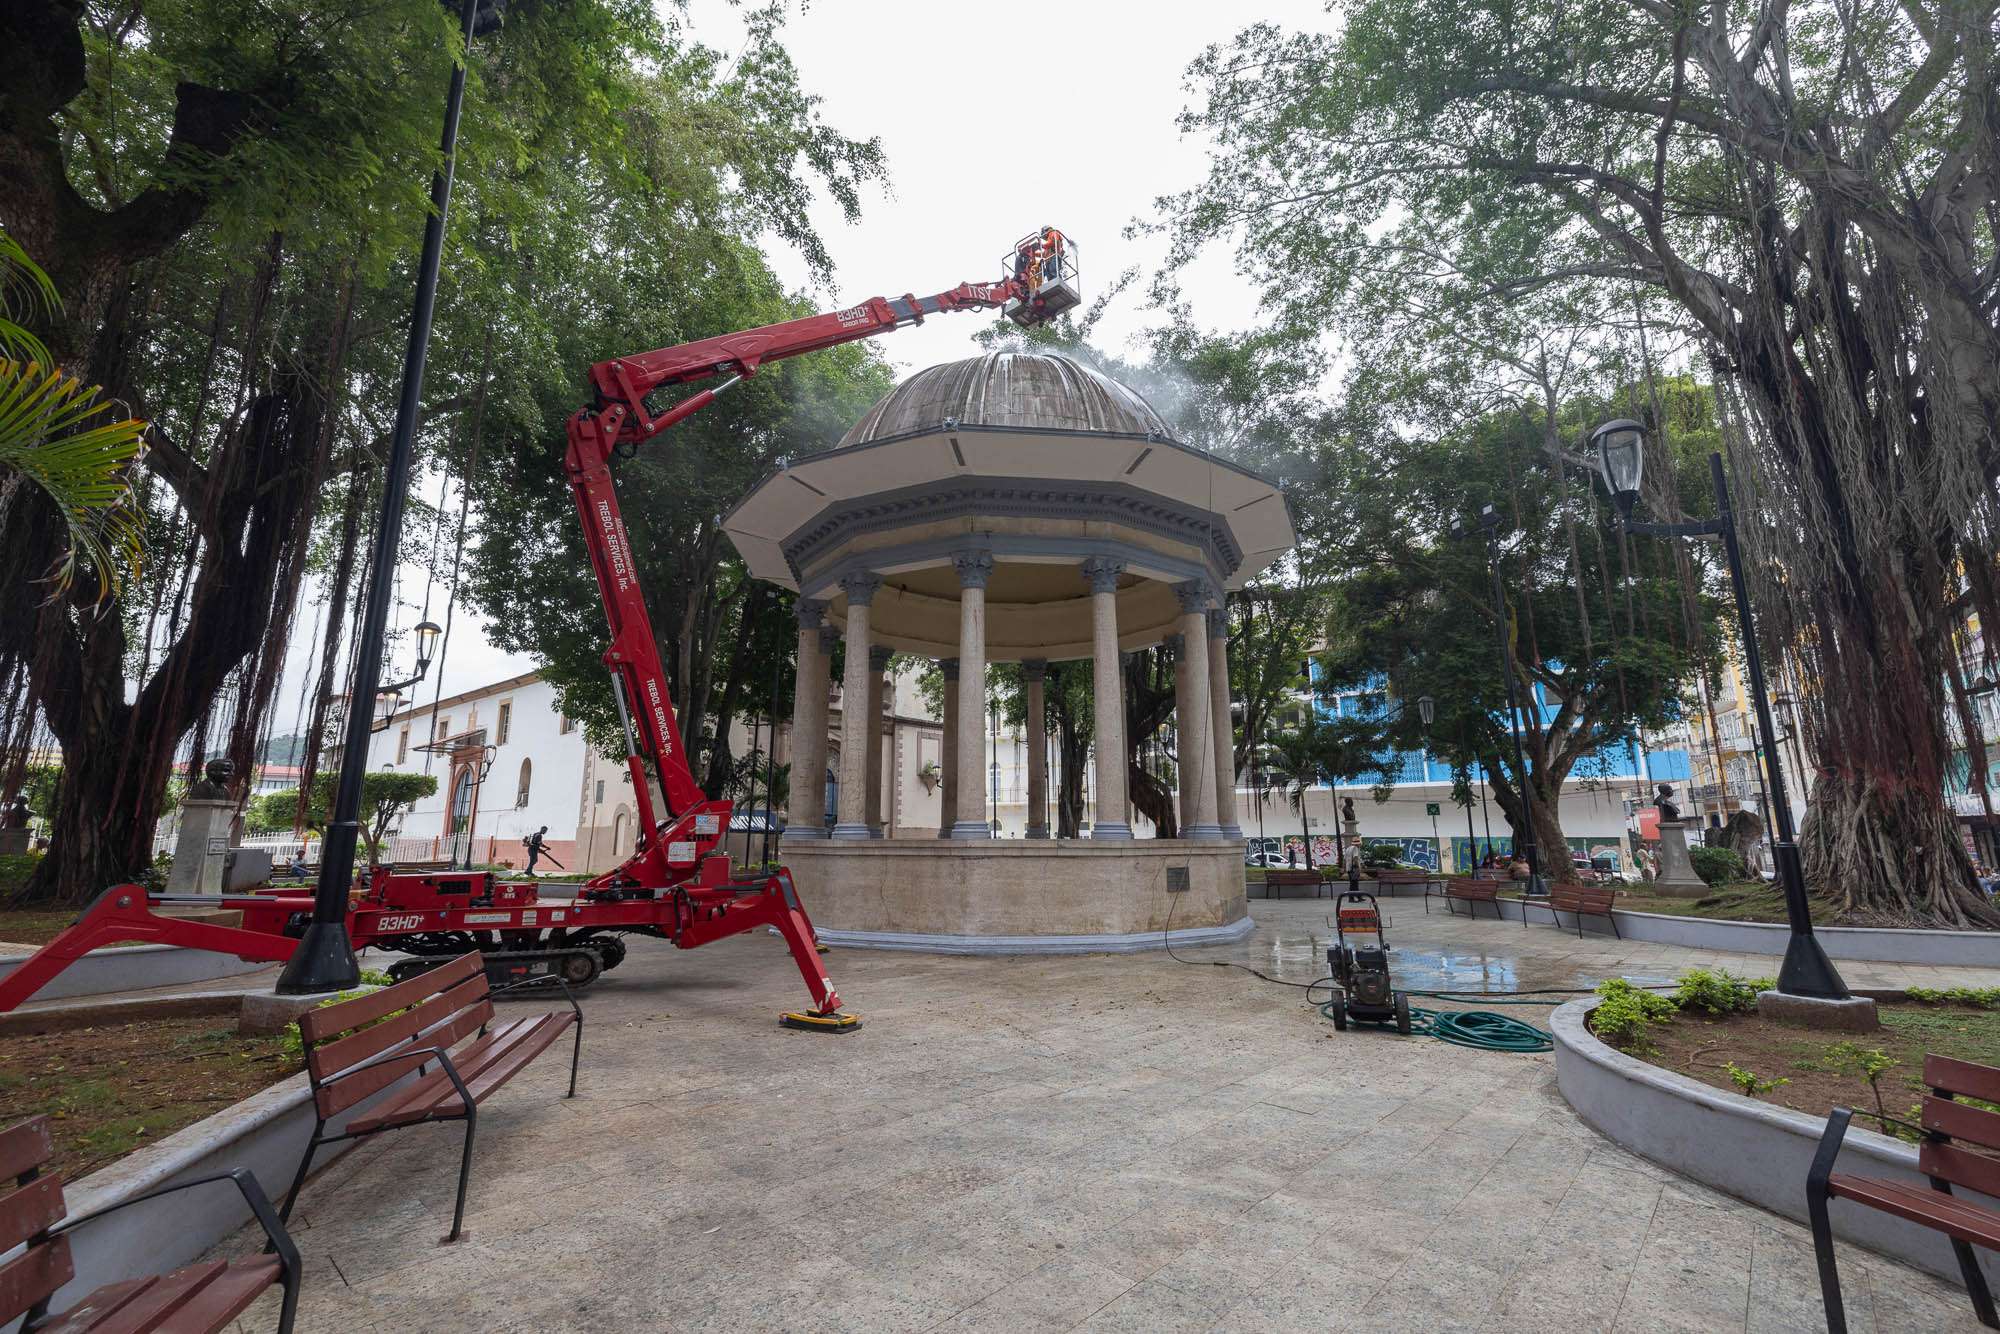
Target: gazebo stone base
point(1013, 896)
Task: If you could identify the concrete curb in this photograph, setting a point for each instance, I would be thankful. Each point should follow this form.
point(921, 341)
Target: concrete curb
point(1942, 949)
point(1089, 944)
point(133, 968)
point(266, 1132)
point(1738, 1145)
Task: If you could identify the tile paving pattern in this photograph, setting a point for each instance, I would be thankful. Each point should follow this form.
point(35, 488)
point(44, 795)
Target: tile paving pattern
point(1093, 1142)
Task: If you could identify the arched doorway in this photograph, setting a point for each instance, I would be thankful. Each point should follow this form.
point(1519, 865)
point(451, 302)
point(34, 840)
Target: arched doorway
point(458, 814)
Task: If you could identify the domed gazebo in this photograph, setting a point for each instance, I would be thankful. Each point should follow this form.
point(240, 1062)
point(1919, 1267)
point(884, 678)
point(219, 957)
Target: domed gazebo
point(1014, 507)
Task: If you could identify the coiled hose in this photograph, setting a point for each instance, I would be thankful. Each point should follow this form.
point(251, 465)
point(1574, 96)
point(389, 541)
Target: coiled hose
point(1482, 1030)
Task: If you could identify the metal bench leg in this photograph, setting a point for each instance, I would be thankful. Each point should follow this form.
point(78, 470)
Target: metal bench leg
point(464, 1172)
point(1822, 1228)
point(1968, 1267)
point(299, 1178)
point(1616, 934)
point(576, 1055)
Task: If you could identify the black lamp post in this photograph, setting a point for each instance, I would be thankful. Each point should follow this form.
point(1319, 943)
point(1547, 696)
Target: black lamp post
point(1427, 710)
point(1489, 525)
point(324, 960)
point(1620, 449)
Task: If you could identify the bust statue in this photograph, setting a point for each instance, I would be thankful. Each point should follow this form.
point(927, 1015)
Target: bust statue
point(16, 814)
point(1663, 800)
point(1347, 815)
point(215, 785)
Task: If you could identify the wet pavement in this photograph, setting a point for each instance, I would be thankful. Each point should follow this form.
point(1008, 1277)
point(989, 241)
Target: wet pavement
point(1129, 1142)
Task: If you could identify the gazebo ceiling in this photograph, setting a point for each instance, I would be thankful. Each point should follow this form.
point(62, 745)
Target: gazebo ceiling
point(1030, 455)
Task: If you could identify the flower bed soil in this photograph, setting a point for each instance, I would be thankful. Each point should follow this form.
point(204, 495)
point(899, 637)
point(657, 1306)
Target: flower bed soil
point(1820, 1067)
point(108, 1091)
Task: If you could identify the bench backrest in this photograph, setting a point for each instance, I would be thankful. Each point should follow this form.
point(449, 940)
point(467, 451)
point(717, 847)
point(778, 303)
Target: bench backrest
point(1286, 875)
point(1460, 887)
point(1949, 1119)
point(437, 1008)
point(34, 1206)
point(1587, 898)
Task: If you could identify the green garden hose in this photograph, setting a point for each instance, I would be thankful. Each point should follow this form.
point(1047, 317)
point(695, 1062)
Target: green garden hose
point(1482, 1030)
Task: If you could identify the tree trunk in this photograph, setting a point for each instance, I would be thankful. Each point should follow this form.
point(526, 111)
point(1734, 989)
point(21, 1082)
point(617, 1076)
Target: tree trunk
point(113, 790)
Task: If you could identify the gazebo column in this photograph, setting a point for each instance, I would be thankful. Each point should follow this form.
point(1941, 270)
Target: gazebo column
point(1108, 690)
point(1035, 671)
point(1193, 710)
point(855, 725)
point(948, 766)
point(805, 807)
point(1186, 766)
point(974, 569)
point(878, 666)
point(1221, 733)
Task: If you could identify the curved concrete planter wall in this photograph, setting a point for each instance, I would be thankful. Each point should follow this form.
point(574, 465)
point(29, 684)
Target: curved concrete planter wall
point(132, 968)
point(1749, 1149)
point(266, 1132)
point(1944, 949)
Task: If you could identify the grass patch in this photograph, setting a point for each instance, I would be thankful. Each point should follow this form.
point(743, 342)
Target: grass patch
point(108, 1091)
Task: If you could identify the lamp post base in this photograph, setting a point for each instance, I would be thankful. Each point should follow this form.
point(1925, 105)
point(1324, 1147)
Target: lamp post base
point(324, 961)
point(1808, 972)
point(1849, 1014)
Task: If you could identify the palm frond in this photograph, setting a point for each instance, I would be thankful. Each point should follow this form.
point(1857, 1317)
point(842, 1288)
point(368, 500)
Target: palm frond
point(52, 435)
point(24, 290)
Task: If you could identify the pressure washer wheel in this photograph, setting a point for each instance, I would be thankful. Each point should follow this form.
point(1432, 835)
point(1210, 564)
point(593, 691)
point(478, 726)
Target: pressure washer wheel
point(1337, 1007)
point(1402, 1014)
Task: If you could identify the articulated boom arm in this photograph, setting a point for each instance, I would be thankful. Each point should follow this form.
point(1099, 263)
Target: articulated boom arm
point(619, 423)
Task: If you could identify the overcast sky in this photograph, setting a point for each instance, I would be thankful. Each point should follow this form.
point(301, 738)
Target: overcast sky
point(994, 125)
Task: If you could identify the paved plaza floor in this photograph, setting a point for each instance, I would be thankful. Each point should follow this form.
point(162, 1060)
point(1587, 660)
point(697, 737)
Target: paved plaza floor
point(1098, 1142)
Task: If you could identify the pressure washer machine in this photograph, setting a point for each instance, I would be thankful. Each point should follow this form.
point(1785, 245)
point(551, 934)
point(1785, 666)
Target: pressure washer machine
point(1359, 960)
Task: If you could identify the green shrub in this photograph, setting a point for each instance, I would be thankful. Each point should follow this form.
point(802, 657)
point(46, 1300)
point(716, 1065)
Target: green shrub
point(1716, 865)
point(292, 1044)
point(1626, 1012)
point(1985, 997)
point(1718, 991)
point(14, 872)
point(1748, 1081)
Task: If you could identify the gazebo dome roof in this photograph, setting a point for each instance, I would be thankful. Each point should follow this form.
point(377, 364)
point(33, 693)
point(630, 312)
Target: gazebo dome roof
point(1024, 390)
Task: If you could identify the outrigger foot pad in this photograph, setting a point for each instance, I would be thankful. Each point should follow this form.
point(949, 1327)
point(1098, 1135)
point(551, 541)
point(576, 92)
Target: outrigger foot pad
point(820, 1023)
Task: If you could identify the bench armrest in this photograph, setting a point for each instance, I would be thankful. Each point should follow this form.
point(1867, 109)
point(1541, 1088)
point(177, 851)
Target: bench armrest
point(443, 1059)
point(1830, 1141)
point(542, 981)
point(253, 1195)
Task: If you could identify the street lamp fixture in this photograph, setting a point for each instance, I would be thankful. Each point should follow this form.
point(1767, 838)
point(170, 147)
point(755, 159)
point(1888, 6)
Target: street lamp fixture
point(1621, 456)
point(1621, 450)
point(1427, 710)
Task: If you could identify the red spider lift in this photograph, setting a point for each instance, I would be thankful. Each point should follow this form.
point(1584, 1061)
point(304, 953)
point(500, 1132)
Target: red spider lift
point(675, 886)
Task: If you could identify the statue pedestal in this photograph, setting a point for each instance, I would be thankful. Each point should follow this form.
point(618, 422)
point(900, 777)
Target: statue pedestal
point(1350, 834)
point(1677, 879)
point(201, 851)
point(13, 842)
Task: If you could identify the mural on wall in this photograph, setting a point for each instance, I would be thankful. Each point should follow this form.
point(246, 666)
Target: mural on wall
point(1417, 851)
point(1467, 853)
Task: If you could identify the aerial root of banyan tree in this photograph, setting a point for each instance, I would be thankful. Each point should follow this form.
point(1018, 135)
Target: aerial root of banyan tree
point(1879, 852)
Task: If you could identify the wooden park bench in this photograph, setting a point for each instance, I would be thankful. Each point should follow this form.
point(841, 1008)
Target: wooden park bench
point(1472, 893)
point(202, 1297)
point(1285, 877)
point(359, 1047)
point(1580, 900)
point(1947, 1125)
